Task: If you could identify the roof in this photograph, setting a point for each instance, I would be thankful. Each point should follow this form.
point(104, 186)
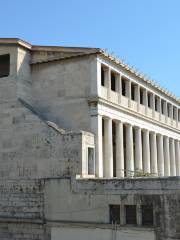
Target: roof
point(81, 51)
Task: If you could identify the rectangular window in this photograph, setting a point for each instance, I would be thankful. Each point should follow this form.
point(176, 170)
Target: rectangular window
point(149, 99)
point(162, 107)
point(102, 76)
point(131, 214)
point(168, 110)
point(91, 167)
point(147, 215)
point(4, 65)
point(114, 212)
point(113, 81)
point(123, 86)
point(141, 96)
point(156, 104)
point(133, 90)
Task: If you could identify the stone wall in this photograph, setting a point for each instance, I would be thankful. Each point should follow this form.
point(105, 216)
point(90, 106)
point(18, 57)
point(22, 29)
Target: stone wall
point(60, 91)
point(22, 210)
point(89, 200)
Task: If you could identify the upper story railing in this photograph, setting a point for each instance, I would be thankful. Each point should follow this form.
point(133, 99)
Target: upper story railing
point(121, 90)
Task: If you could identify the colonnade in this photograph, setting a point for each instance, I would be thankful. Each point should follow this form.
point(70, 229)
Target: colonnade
point(132, 151)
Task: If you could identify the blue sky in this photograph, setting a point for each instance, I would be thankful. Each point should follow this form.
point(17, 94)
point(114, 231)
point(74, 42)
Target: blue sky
point(145, 33)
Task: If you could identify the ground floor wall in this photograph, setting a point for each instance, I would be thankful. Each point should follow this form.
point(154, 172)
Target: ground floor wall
point(95, 233)
point(68, 208)
point(23, 231)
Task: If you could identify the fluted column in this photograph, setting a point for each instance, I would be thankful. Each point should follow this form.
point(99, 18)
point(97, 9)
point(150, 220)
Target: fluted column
point(146, 152)
point(138, 150)
point(129, 152)
point(166, 157)
point(160, 155)
point(119, 150)
point(153, 154)
point(177, 157)
point(108, 148)
point(172, 157)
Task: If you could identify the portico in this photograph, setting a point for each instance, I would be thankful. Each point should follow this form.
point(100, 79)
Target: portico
point(132, 151)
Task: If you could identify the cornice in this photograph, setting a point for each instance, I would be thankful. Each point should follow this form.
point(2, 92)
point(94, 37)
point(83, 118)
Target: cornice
point(105, 102)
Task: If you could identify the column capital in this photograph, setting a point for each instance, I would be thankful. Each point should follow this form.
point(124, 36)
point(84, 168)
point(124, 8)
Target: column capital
point(145, 130)
point(107, 118)
point(117, 121)
point(137, 127)
point(159, 135)
point(152, 132)
point(128, 124)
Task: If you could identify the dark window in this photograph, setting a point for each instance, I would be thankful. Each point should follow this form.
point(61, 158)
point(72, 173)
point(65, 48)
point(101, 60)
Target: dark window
point(162, 107)
point(168, 110)
point(141, 96)
point(156, 104)
point(174, 113)
point(149, 99)
point(114, 211)
point(90, 160)
point(123, 85)
point(147, 215)
point(102, 76)
point(113, 81)
point(133, 89)
point(131, 214)
point(178, 115)
point(4, 65)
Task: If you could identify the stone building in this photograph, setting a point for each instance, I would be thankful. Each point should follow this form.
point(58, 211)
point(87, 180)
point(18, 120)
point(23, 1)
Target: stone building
point(89, 148)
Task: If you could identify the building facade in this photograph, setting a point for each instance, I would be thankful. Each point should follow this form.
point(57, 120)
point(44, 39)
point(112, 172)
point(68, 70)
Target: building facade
point(89, 148)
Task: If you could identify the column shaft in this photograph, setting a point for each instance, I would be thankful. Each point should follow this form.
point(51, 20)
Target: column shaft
point(177, 156)
point(138, 150)
point(153, 154)
point(119, 150)
point(129, 152)
point(146, 152)
point(166, 157)
point(172, 157)
point(108, 148)
point(160, 155)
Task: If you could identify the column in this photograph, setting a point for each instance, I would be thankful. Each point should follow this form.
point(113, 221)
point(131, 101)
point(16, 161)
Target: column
point(146, 152)
point(138, 98)
point(166, 157)
point(176, 114)
point(171, 112)
point(145, 99)
point(119, 87)
point(160, 155)
point(108, 148)
point(177, 157)
point(153, 154)
point(119, 150)
point(160, 109)
point(129, 152)
point(165, 110)
point(172, 157)
point(153, 104)
point(96, 128)
point(129, 92)
point(109, 83)
point(138, 150)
